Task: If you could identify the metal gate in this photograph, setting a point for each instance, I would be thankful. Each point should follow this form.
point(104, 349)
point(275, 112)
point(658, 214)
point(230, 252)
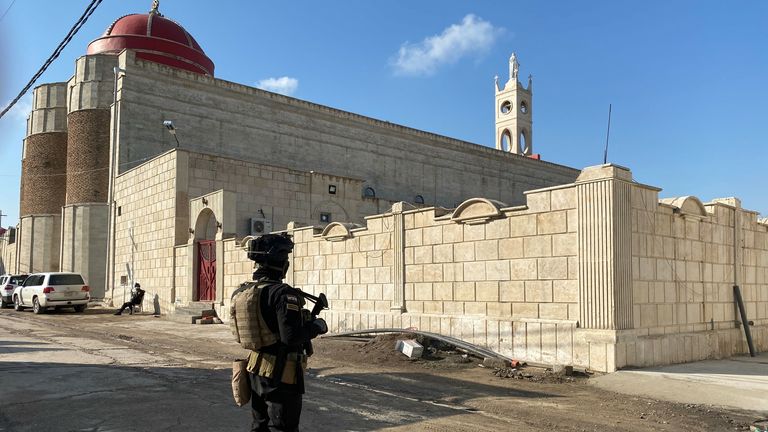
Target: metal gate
point(206, 270)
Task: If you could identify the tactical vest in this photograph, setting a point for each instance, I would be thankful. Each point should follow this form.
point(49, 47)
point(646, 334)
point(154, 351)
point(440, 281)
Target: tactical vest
point(245, 318)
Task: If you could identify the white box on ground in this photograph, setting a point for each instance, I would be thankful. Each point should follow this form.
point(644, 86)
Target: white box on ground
point(411, 348)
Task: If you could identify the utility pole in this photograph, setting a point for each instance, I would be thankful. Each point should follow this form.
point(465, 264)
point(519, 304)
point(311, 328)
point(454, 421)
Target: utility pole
point(1, 218)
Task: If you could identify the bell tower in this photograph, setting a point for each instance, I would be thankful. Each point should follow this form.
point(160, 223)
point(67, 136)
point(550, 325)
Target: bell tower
point(514, 111)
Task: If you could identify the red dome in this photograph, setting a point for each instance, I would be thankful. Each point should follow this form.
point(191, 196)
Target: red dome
point(154, 38)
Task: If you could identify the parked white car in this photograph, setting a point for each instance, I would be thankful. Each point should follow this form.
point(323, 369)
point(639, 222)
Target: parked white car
point(8, 283)
point(44, 290)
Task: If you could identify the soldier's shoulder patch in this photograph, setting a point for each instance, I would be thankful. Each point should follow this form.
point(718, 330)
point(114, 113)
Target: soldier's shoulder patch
point(292, 298)
point(293, 307)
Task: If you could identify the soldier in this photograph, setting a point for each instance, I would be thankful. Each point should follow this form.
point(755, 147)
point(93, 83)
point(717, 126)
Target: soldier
point(277, 370)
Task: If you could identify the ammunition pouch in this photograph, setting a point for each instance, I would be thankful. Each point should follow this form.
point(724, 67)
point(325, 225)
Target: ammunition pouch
point(263, 364)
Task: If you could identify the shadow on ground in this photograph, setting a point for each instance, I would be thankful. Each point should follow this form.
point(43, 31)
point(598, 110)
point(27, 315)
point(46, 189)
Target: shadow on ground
point(43, 397)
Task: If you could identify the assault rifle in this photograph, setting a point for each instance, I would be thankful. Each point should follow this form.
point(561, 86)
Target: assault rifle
point(321, 302)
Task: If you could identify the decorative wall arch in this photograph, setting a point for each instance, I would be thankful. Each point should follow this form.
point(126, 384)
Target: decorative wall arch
point(477, 210)
point(337, 231)
point(687, 205)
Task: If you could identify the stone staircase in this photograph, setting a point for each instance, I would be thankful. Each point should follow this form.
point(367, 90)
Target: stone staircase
point(191, 312)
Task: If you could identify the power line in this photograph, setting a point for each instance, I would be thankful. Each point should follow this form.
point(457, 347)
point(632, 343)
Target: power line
point(72, 32)
point(6, 10)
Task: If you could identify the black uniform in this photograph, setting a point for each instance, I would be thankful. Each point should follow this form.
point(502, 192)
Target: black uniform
point(136, 300)
point(276, 405)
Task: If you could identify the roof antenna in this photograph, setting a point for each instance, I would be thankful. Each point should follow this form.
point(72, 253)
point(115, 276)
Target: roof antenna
point(607, 135)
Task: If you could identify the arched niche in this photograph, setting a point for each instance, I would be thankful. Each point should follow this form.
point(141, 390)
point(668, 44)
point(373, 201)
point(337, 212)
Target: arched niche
point(206, 225)
point(505, 141)
point(523, 144)
point(337, 231)
point(687, 205)
point(477, 211)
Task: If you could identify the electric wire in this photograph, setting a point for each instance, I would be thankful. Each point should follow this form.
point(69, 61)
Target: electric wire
point(7, 10)
point(72, 32)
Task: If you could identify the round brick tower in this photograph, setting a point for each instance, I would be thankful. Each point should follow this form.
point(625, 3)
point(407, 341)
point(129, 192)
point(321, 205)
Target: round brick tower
point(43, 180)
point(85, 213)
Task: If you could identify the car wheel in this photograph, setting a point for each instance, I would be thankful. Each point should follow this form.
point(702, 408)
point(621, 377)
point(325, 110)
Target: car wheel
point(80, 308)
point(3, 304)
point(36, 308)
point(17, 304)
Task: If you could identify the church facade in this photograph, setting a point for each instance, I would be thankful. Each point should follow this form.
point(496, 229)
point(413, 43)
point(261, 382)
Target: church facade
point(144, 167)
point(277, 160)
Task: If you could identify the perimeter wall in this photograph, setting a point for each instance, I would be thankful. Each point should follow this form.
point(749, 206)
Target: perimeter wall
point(597, 274)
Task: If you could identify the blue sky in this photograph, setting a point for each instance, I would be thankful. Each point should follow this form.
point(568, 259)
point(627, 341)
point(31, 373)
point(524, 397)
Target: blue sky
point(687, 79)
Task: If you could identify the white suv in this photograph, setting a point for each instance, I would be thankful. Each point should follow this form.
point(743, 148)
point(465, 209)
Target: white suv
point(8, 283)
point(43, 290)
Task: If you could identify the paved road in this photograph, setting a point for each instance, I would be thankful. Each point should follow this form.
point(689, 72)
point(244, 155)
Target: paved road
point(54, 377)
point(738, 382)
point(96, 372)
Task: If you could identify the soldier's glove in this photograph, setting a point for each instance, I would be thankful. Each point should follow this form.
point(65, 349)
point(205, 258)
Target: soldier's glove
point(319, 327)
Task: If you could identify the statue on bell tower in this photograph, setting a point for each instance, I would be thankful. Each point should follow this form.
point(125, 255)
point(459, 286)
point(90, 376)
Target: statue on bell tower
point(514, 124)
point(514, 66)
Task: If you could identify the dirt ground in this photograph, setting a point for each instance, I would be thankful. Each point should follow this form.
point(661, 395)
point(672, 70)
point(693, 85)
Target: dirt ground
point(579, 406)
point(364, 384)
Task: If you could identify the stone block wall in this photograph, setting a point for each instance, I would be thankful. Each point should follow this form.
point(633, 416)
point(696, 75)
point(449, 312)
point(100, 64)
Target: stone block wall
point(686, 258)
point(237, 269)
point(144, 229)
point(597, 273)
point(281, 195)
point(8, 252)
point(502, 277)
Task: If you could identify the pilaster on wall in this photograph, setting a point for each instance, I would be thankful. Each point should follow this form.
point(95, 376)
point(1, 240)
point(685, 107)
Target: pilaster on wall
point(39, 243)
point(605, 234)
point(398, 262)
point(84, 243)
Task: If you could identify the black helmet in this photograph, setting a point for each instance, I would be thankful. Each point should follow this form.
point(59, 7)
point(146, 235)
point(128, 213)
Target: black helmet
point(270, 250)
point(136, 285)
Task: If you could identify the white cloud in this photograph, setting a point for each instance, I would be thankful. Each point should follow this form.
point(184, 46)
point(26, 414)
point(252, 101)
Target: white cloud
point(283, 85)
point(472, 36)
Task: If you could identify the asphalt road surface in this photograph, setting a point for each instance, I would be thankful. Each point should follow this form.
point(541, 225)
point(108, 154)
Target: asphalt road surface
point(97, 372)
point(57, 377)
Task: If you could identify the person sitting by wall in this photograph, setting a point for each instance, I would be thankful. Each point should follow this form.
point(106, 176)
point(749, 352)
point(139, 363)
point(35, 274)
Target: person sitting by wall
point(136, 299)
